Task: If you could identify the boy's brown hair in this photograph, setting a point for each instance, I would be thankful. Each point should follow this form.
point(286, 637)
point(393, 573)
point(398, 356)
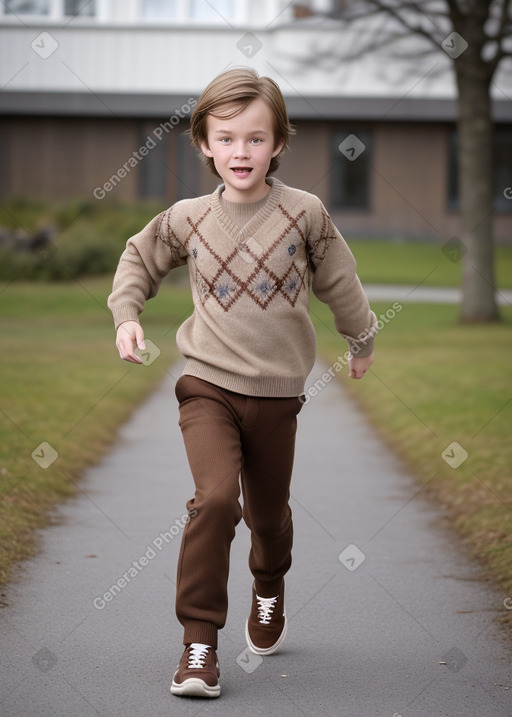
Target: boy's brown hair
point(229, 94)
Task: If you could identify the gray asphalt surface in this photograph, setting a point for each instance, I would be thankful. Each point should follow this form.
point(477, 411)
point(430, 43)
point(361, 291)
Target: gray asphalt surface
point(379, 595)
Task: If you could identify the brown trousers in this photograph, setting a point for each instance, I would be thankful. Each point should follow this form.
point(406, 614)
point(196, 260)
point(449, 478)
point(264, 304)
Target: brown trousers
point(228, 437)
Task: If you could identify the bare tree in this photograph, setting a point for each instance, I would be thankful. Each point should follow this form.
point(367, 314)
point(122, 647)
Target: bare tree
point(477, 36)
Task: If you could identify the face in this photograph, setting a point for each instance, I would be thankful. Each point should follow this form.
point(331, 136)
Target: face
point(241, 149)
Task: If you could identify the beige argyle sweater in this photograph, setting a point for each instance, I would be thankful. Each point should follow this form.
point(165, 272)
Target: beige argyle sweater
point(250, 331)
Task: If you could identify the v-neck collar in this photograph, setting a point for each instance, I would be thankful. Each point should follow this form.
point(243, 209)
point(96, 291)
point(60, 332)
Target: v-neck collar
point(261, 216)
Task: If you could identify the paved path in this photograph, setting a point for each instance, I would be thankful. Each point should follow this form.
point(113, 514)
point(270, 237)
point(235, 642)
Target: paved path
point(366, 638)
point(425, 294)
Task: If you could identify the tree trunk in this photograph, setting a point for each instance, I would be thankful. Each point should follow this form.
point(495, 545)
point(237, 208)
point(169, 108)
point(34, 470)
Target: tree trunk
point(475, 151)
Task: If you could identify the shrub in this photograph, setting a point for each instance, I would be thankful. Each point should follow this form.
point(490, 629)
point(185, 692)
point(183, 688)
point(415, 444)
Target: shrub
point(89, 237)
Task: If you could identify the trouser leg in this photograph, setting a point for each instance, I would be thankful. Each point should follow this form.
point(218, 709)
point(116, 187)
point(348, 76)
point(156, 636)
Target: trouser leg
point(268, 451)
point(212, 441)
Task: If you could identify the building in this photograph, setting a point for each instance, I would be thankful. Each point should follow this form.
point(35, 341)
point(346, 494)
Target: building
point(96, 94)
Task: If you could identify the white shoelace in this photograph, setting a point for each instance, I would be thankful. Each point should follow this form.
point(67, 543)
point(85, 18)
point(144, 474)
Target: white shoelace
point(197, 654)
point(266, 608)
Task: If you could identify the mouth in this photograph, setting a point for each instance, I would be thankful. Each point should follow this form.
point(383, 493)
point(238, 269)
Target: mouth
point(242, 171)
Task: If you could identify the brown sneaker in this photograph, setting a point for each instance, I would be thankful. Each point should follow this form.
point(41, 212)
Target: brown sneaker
point(198, 673)
point(265, 629)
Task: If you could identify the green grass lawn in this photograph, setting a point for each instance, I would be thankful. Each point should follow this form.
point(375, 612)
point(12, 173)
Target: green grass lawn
point(435, 382)
point(412, 263)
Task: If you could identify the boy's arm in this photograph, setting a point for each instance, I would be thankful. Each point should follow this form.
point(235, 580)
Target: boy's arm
point(335, 282)
point(147, 259)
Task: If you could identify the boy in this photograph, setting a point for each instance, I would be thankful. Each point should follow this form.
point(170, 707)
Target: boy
point(254, 248)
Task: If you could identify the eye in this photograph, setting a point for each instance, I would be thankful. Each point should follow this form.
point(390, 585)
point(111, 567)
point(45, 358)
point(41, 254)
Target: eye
point(224, 140)
point(257, 140)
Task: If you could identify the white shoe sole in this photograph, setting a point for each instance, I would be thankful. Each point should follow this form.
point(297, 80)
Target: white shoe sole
point(194, 687)
point(266, 650)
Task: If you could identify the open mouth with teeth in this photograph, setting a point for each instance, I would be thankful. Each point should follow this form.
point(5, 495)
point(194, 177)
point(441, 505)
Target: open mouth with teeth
point(242, 171)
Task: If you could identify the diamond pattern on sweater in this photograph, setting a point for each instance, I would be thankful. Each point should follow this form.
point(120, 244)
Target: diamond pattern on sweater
point(292, 284)
point(263, 287)
point(278, 270)
point(226, 288)
point(294, 221)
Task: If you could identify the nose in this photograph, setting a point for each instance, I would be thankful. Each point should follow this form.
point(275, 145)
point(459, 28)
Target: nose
point(240, 149)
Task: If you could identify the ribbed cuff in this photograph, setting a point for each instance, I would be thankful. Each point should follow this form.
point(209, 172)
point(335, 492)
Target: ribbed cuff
point(204, 632)
point(124, 312)
point(358, 349)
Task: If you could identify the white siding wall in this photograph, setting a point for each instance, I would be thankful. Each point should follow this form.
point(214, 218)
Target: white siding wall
point(151, 59)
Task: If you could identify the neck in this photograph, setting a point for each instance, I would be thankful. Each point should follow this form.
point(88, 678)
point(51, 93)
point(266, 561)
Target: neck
point(230, 194)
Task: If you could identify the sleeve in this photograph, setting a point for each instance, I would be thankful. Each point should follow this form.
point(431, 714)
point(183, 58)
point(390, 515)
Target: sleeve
point(148, 257)
point(336, 283)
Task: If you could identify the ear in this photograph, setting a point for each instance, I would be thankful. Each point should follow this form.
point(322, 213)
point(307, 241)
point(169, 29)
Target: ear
point(205, 149)
point(278, 148)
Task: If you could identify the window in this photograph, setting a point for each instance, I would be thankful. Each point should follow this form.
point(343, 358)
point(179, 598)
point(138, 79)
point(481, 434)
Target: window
point(350, 175)
point(501, 166)
point(80, 8)
point(453, 178)
point(183, 10)
point(53, 8)
point(152, 175)
point(121, 11)
point(202, 10)
point(502, 169)
point(27, 7)
point(159, 9)
point(188, 168)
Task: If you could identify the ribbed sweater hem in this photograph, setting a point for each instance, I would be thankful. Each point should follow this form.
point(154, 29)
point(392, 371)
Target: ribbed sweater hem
point(263, 386)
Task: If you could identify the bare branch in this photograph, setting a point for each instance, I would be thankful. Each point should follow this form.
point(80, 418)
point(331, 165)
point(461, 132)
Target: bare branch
point(504, 29)
point(410, 9)
point(485, 24)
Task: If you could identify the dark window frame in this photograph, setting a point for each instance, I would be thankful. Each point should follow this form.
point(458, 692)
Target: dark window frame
point(152, 172)
point(502, 149)
point(84, 9)
point(344, 171)
point(22, 9)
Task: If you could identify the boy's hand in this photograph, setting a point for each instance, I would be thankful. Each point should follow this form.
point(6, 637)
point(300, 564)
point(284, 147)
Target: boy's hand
point(359, 366)
point(130, 336)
